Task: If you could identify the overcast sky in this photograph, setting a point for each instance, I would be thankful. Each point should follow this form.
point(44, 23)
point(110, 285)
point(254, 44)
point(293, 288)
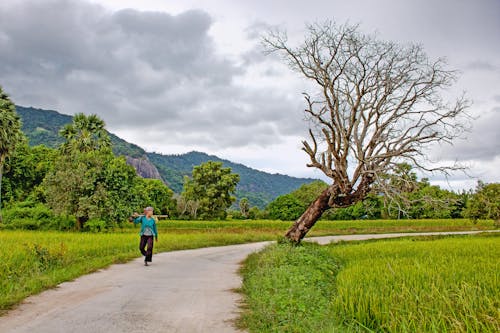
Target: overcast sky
point(180, 75)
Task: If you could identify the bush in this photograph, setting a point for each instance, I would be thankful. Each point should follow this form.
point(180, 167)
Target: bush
point(95, 225)
point(34, 216)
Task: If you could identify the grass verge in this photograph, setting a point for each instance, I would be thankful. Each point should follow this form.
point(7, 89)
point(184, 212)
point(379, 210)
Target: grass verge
point(427, 284)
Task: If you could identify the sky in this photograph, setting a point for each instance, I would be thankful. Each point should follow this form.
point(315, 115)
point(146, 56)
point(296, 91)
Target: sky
point(174, 76)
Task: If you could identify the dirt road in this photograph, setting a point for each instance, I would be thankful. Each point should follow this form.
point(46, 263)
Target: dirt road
point(182, 291)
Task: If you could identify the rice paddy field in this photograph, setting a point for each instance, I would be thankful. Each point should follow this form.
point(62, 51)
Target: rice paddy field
point(422, 284)
point(32, 261)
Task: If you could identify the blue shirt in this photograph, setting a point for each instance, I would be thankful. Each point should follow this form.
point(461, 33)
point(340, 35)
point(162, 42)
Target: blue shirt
point(146, 223)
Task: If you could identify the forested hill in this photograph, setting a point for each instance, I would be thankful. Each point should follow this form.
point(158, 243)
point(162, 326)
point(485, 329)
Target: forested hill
point(42, 127)
point(258, 186)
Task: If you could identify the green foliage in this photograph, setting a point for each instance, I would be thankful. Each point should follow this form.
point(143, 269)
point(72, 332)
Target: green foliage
point(124, 148)
point(154, 193)
point(87, 180)
point(90, 185)
point(211, 187)
point(288, 288)
point(485, 203)
point(404, 285)
point(244, 207)
point(85, 134)
point(259, 187)
point(11, 135)
point(42, 128)
point(290, 206)
point(25, 171)
point(10, 127)
point(286, 207)
point(29, 215)
point(96, 225)
point(307, 193)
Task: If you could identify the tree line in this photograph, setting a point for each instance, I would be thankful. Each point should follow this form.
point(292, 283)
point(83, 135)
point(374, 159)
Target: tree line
point(421, 201)
point(83, 185)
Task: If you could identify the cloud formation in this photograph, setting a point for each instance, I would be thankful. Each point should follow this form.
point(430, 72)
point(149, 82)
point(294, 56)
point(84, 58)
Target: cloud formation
point(155, 72)
point(172, 78)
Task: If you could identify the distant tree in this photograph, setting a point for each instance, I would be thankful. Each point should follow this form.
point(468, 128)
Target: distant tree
point(485, 203)
point(244, 207)
point(157, 195)
point(181, 207)
point(87, 180)
point(26, 170)
point(377, 104)
point(85, 134)
point(193, 206)
point(255, 213)
point(307, 193)
point(431, 201)
point(10, 134)
point(211, 187)
point(286, 207)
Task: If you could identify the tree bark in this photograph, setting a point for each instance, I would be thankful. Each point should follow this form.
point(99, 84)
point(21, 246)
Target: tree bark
point(80, 221)
point(307, 220)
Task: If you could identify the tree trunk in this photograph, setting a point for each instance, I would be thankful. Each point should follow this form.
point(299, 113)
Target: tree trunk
point(312, 214)
point(80, 221)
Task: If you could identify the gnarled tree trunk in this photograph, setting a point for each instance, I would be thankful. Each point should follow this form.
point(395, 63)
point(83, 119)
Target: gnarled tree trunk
point(307, 220)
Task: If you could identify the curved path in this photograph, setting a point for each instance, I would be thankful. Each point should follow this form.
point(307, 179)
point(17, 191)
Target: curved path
point(182, 291)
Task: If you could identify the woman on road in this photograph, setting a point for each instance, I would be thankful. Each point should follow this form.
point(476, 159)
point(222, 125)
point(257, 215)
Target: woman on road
point(148, 230)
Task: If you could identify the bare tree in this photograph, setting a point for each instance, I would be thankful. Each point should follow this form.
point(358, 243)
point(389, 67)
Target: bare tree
point(378, 104)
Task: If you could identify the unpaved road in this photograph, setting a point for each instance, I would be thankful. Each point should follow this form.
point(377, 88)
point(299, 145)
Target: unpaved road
point(182, 291)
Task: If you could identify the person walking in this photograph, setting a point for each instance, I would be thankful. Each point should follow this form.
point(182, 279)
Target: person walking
point(148, 231)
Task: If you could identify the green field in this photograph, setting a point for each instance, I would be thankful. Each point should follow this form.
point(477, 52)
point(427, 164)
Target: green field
point(31, 261)
point(440, 284)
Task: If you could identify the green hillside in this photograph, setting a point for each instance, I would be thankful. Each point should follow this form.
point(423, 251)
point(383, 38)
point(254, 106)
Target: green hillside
point(258, 186)
point(42, 127)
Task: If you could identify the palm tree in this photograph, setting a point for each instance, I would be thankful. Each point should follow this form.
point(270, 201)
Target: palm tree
point(10, 133)
point(85, 134)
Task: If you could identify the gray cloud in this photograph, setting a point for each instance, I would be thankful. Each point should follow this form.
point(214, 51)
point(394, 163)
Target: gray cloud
point(481, 66)
point(200, 79)
point(149, 71)
point(483, 143)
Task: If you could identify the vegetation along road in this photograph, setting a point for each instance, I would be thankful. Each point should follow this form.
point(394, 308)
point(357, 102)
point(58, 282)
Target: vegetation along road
point(183, 291)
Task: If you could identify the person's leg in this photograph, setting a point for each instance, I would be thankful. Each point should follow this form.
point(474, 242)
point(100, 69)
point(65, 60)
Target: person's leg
point(142, 245)
point(149, 251)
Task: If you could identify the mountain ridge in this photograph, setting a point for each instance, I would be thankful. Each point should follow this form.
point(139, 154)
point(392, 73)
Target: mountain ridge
point(42, 127)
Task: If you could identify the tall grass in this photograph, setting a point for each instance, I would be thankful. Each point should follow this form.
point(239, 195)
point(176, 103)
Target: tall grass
point(332, 227)
point(407, 285)
point(31, 261)
point(450, 284)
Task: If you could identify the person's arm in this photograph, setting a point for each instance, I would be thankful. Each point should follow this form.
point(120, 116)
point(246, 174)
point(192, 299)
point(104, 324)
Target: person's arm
point(155, 230)
point(138, 219)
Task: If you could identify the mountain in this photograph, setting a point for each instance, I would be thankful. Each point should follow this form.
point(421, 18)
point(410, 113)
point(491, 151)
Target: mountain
point(259, 187)
point(42, 127)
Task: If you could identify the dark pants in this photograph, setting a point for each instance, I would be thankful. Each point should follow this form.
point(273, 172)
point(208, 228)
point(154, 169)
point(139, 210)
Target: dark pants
point(146, 240)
